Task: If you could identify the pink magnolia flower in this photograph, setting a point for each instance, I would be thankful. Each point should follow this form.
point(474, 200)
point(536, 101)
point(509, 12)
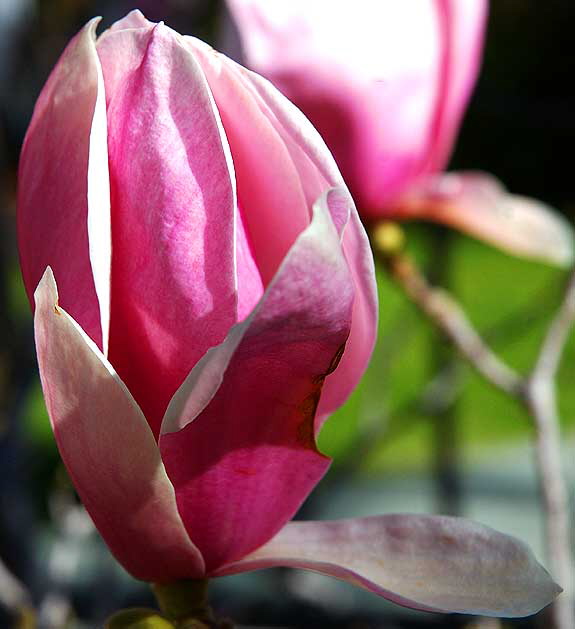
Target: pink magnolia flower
point(386, 84)
point(215, 302)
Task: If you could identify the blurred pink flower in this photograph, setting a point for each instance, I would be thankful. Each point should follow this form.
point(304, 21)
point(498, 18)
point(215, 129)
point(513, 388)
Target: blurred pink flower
point(386, 84)
point(216, 302)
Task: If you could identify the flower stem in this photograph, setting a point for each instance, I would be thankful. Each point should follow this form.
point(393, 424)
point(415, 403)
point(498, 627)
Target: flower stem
point(185, 603)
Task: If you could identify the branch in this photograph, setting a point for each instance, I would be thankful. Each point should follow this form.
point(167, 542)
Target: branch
point(557, 335)
point(445, 312)
point(536, 392)
point(13, 595)
point(540, 399)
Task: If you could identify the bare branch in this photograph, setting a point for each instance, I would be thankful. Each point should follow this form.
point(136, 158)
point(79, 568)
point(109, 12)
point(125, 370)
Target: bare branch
point(557, 335)
point(541, 401)
point(536, 392)
point(450, 318)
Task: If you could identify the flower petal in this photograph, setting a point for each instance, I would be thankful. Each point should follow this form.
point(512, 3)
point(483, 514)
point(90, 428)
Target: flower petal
point(109, 449)
point(461, 27)
point(477, 204)
point(63, 199)
point(434, 563)
point(174, 213)
point(237, 439)
point(134, 19)
point(384, 85)
point(267, 175)
point(339, 385)
point(297, 142)
point(304, 138)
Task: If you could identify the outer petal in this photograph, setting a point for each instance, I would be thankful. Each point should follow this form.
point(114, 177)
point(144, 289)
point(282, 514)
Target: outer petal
point(339, 385)
point(368, 80)
point(134, 19)
point(237, 439)
point(299, 153)
point(109, 449)
point(386, 85)
point(434, 563)
point(63, 195)
point(461, 26)
point(174, 213)
point(304, 140)
point(477, 204)
point(269, 174)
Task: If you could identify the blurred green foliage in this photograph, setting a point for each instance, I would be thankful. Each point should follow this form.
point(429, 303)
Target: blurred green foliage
point(385, 426)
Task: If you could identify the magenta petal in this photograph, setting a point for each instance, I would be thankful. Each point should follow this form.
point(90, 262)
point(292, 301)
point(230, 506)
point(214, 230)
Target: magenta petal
point(461, 28)
point(274, 171)
point(310, 162)
point(64, 218)
point(109, 449)
point(173, 201)
point(237, 439)
point(477, 204)
point(433, 563)
point(339, 385)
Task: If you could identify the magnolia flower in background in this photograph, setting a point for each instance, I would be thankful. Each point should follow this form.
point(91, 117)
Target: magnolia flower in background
point(204, 298)
point(386, 84)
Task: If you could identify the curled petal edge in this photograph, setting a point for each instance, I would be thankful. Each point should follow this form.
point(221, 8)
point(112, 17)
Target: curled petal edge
point(108, 448)
point(431, 563)
point(478, 205)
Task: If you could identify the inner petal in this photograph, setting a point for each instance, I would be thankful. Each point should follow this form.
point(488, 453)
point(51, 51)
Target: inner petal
point(249, 282)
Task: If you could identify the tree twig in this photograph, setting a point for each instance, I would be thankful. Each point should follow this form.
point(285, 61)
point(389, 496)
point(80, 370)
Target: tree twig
point(536, 391)
point(540, 399)
point(448, 315)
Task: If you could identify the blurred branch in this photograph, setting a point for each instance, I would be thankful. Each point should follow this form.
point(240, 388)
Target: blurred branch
point(557, 335)
point(13, 595)
point(536, 391)
point(541, 401)
point(445, 312)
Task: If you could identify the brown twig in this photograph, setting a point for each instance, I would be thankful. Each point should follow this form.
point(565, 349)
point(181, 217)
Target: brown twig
point(446, 313)
point(536, 391)
point(540, 399)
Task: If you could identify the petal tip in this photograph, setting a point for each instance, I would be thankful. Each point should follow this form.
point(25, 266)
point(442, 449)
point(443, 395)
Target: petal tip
point(92, 26)
point(46, 291)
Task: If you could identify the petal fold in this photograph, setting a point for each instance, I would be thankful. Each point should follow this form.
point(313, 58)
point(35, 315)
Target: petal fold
point(174, 291)
point(108, 449)
point(433, 563)
point(296, 150)
point(63, 199)
point(238, 437)
point(477, 204)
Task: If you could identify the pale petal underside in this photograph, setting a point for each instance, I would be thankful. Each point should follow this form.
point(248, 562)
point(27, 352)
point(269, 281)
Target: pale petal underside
point(434, 563)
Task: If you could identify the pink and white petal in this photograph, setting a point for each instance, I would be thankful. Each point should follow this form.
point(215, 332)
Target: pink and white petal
point(434, 563)
point(174, 214)
point(108, 449)
point(266, 175)
point(343, 78)
point(134, 19)
point(62, 216)
point(317, 169)
point(477, 204)
point(461, 28)
point(339, 385)
point(237, 439)
point(304, 141)
point(99, 212)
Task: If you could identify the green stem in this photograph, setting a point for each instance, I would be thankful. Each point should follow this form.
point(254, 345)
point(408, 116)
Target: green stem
point(185, 603)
